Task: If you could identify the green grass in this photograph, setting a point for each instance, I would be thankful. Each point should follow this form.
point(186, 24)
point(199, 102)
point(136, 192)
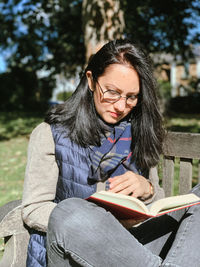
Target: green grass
point(183, 123)
point(12, 167)
point(14, 124)
point(15, 129)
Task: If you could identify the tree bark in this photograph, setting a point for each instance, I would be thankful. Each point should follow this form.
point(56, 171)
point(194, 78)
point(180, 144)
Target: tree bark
point(103, 20)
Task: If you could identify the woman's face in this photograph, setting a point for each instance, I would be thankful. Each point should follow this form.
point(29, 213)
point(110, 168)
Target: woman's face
point(122, 79)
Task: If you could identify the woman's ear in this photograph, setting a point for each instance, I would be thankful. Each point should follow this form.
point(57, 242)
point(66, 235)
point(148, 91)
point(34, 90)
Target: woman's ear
point(90, 80)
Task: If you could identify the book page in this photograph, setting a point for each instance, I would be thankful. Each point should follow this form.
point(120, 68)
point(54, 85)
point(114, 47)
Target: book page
point(123, 200)
point(172, 203)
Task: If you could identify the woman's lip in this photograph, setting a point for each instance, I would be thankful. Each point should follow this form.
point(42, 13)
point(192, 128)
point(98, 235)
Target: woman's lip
point(114, 114)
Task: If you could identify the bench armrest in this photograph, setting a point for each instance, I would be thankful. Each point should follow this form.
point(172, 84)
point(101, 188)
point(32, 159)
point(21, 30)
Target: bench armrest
point(15, 235)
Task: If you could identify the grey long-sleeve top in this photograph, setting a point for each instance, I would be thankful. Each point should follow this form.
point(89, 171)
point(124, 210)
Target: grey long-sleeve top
point(41, 179)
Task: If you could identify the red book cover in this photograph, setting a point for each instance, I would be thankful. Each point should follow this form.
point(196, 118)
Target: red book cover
point(122, 212)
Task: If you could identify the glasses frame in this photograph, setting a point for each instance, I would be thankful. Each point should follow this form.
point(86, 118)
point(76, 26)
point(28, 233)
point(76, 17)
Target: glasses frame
point(120, 96)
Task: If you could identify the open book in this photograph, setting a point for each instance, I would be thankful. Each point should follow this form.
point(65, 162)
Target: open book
point(127, 207)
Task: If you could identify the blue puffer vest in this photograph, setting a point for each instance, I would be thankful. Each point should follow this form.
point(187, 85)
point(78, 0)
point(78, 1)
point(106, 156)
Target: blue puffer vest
point(73, 163)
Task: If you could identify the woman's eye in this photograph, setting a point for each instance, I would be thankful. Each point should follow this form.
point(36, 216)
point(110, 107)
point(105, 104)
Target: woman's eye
point(111, 92)
point(133, 96)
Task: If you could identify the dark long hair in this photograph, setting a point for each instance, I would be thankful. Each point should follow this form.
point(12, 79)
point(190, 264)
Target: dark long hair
point(79, 117)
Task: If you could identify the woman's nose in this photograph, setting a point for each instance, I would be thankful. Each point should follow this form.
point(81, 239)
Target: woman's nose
point(120, 105)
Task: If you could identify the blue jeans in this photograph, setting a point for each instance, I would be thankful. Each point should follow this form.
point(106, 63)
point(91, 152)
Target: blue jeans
point(83, 234)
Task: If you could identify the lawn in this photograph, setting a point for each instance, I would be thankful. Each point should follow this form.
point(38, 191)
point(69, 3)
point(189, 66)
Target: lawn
point(183, 123)
point(15, 129)
point(12, 165)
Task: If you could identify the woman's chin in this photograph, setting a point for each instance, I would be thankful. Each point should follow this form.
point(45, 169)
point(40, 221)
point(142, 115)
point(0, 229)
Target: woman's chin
point(112, 120)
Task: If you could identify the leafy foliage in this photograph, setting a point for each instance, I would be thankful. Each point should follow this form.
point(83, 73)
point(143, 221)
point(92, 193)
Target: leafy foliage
point(39, 39)
point(63, 96)
point(162, 25)
point(43, 34)
point(22, 90)
point(45, 37)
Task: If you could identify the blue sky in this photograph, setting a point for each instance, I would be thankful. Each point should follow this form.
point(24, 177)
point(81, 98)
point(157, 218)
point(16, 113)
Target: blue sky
point(2, 64)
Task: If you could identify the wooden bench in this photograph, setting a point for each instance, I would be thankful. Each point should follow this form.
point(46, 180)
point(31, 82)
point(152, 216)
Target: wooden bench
point(185, 146)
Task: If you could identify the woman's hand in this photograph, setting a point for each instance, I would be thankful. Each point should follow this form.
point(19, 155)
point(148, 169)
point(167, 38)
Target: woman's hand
point(131, 184)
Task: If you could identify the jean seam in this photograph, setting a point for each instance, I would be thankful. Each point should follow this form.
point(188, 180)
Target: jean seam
point(49, 252)
point(49, 258)
point(77, 257)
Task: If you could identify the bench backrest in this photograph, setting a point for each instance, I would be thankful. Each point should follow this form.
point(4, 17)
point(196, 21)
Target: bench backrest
point(186, 147)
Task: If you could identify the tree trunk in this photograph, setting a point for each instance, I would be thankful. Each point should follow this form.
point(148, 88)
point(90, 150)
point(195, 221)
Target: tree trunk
point(102, 21)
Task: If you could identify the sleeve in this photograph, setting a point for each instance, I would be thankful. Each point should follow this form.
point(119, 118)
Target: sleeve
point(158, 191)
point(40, 179)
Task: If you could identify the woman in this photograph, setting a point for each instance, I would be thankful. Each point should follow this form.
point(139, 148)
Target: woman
point(109, 130)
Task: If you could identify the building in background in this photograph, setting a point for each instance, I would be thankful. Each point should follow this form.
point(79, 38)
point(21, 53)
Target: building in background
point(183, 75)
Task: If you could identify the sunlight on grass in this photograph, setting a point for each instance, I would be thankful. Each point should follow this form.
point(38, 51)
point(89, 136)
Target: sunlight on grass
point(183, 123)
point(12, 168)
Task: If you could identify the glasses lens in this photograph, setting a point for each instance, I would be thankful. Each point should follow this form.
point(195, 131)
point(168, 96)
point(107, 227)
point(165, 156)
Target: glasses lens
point(131, 100)
point(111, 96)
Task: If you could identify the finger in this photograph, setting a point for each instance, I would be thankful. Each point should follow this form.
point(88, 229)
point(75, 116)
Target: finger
point(119, 187)
point(136, 193)
point(128, 191)
point(117, 181)
point(116, 178)
point(125, 176)
point(125, 189)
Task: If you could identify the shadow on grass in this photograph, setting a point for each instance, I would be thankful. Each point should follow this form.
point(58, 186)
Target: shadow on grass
point(189, 129)
point(180, 122)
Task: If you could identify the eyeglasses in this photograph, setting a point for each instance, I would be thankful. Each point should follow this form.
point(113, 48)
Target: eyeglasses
point(112, 96)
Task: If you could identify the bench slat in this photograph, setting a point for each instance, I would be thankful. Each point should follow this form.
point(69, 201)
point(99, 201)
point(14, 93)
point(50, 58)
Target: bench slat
point(168, 175)
point(199, 172)
point(185, 177)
